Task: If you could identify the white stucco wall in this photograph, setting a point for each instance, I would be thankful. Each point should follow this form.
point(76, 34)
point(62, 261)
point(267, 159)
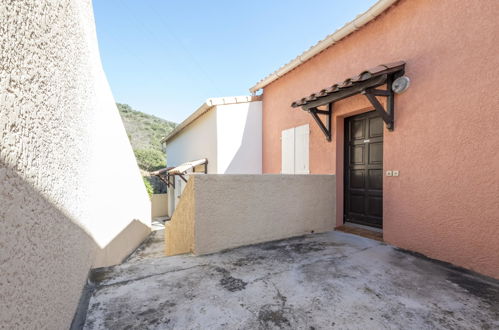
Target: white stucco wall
point(71, 195)
point(228, 135)
point(196, 141)
point(239, 138)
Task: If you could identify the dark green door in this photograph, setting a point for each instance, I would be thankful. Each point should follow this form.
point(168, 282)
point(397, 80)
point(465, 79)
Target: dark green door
point(364, 170)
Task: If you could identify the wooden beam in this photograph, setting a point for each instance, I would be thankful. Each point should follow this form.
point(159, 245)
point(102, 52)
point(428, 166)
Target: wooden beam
point(347, 92)
point(329, 120)
point(379, 92)
point(387, 116)
point(326, 129)
point(182, 177)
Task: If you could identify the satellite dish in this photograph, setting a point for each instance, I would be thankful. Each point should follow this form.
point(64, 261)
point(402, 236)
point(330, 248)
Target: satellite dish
point(401, 84)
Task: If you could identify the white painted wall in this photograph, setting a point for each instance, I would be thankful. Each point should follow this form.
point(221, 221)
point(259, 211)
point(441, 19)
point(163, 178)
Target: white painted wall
point(71, 194)
point(239, 138)
point(196, 141)
point(229, 136)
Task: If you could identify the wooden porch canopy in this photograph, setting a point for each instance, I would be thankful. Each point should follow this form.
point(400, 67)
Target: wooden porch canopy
point(365, 83)
point(169, 172)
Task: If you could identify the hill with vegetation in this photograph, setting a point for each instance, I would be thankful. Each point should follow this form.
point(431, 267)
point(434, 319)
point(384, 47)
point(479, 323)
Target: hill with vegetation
point(145, 133)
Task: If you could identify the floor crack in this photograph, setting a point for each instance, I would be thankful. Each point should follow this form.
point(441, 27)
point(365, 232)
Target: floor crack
point(98, 286)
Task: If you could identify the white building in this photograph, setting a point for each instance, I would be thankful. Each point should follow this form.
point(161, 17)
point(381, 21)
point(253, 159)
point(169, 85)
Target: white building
point(226, 131)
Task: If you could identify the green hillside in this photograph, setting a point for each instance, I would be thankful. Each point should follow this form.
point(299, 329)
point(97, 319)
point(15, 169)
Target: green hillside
point(145, 133)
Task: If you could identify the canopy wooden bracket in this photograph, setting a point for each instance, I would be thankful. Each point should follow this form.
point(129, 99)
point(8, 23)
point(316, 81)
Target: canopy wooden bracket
point(166, 179)
point(361, 84)
point(182, 177)
point(325, 127)
point(387, 115)
point(205, 168)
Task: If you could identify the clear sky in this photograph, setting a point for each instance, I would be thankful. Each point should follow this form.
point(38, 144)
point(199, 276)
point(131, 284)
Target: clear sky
point(166, 57)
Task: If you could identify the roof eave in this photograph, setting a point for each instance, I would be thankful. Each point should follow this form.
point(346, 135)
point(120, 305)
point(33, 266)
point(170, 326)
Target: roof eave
point(361, 20)
point(207, 106)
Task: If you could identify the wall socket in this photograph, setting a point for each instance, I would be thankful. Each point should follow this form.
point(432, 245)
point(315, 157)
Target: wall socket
point(392, 173)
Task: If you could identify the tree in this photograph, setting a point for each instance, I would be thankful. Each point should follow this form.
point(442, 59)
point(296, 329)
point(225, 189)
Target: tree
point(148, 185)
point(150, 159)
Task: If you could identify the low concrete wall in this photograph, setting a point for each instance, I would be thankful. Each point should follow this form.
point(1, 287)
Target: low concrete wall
point(227, 211)
point(159, 205)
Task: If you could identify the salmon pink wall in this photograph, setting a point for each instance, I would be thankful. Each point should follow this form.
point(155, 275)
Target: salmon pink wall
point(445, 203)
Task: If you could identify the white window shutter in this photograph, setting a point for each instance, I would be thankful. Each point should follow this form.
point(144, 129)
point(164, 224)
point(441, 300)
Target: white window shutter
point(302, 134)
point(288, 151)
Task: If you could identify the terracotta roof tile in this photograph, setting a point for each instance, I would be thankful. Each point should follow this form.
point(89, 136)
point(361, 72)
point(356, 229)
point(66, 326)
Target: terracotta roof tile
point(349, 82)
point(376, 69)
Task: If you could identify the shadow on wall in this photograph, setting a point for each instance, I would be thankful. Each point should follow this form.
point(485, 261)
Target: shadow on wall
point(45, 257)
point(242, 158)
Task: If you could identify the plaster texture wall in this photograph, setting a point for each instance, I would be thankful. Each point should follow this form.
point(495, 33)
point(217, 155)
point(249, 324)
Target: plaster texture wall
point(444, 203)
point(179, 231)
point(60, 136)
point(227, 211)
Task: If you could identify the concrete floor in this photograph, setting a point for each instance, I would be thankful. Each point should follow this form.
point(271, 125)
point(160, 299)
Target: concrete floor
point(323, 281)
point(152, 247)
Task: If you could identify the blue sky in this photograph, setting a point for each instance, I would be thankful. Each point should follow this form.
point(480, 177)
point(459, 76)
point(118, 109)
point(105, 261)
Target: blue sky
point(166, 57)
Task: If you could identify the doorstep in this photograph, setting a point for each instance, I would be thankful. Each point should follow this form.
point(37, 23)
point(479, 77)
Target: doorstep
point(364, 231)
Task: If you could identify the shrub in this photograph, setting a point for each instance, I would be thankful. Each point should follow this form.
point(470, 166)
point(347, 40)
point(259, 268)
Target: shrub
point(148, 185)
point(125, 108)
point(150, 159)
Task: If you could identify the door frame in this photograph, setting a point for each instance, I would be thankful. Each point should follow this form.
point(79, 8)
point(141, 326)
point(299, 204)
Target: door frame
point(342, 164)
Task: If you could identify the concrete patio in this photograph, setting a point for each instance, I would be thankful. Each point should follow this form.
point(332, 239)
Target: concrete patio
point(322, 281)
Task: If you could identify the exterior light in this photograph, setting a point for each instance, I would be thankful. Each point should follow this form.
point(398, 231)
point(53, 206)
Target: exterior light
point(401, 84)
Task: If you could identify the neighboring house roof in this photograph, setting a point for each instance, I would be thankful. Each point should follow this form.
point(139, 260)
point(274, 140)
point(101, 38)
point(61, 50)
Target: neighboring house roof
point(161, 171)
point(183, 168)
point(207, 106)
point(361, 20)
